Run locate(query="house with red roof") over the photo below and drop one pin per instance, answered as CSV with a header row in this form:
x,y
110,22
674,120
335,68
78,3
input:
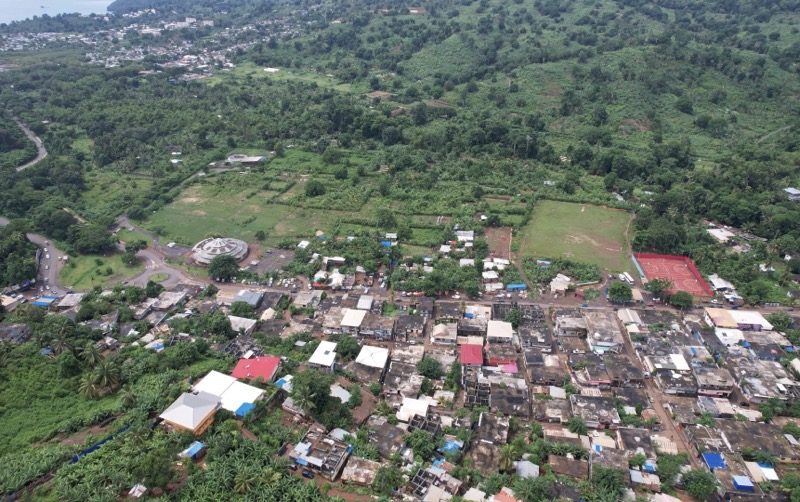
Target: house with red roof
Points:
x,y
472,355
265,367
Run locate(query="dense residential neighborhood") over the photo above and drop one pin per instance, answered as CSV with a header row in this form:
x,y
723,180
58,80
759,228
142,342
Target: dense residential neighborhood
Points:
x,y
373,379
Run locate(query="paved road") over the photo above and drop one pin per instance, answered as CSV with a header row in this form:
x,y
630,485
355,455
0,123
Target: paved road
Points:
x,y
48,267
41,151
154,263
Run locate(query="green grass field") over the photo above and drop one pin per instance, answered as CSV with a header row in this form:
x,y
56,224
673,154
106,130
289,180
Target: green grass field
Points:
x,y
212,209
126,235
580,232
84,272
251,70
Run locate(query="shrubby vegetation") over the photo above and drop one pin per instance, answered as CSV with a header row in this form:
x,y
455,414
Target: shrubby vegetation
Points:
x,y
16,255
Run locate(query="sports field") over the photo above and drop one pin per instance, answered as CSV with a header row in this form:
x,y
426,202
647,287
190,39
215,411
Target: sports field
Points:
x,y
579,232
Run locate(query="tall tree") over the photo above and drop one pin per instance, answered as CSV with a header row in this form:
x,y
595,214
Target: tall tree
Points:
x,y
223,268
681,300
619,292
700,484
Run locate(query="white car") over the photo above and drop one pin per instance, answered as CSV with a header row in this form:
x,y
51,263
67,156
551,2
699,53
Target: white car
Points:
x,y
47,267
45,250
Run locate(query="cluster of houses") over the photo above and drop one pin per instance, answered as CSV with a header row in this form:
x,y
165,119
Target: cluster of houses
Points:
x,y
630,375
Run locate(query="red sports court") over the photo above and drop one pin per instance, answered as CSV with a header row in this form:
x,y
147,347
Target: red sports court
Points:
x,y
680,270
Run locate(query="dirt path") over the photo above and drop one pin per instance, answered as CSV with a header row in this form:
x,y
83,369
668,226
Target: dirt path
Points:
x,y
41,151
764,137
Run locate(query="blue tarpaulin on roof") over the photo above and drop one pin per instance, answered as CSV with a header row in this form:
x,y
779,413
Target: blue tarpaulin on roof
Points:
x,y
46,351
194,449
649,467
517,287
714,460
387,244
789,349
743,483
281,382
244,409
469,315
746,344
451,446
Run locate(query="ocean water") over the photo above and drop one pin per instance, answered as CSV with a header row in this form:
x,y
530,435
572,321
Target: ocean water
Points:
x,y
17,10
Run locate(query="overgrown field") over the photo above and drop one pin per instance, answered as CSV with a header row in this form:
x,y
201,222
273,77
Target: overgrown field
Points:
x,y
88,271
579,232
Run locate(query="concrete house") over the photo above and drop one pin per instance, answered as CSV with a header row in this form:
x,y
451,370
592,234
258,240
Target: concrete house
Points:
x,y
321,453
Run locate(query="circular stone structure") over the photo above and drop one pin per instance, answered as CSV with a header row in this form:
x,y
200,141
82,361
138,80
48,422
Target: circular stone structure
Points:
x,y
208,249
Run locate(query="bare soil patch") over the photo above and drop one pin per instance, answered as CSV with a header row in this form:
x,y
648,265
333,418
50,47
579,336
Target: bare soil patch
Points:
x,y
81,437
437,103
636,124
380,95
499,240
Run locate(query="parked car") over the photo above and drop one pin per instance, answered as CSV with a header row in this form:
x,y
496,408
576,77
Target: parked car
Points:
x,y
293,467
308,474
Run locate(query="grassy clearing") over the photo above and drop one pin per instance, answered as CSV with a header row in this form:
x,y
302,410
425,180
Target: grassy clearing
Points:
x,y
84,145
215,209
107,186
159,277
580,232
409,250
126,235
88,271
251,70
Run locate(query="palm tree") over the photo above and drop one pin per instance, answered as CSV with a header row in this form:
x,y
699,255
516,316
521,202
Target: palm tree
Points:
x,y
303,398
270,476
90,354
765,457
60,343
244,481
106,374
508,454
383,409
127,399
88,386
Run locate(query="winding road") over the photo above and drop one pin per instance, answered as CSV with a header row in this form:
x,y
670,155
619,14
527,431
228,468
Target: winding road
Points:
x,y
41,151
154,259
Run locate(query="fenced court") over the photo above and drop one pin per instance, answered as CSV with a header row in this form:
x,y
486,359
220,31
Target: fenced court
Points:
x,y
680,270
